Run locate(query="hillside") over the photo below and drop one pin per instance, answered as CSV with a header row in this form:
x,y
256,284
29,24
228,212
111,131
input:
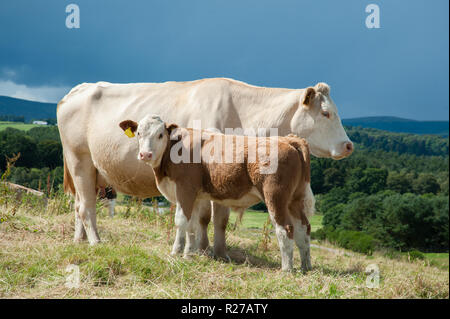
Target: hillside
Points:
x,y
29,109
396,124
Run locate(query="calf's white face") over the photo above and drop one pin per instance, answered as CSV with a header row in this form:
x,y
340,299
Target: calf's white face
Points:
x,y
318,121
152,137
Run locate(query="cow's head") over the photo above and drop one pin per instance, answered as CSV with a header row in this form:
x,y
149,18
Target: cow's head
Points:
x,y
153,135
317,120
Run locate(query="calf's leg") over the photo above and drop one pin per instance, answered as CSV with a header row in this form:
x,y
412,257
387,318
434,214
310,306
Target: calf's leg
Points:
x,y
188,223
285,242
302,240
180,237
196,229
220,217
203,210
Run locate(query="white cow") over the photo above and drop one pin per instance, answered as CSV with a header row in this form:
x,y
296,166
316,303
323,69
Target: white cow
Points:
x,y
97,154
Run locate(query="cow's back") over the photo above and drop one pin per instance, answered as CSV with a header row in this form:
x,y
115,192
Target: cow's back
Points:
x,y
89,117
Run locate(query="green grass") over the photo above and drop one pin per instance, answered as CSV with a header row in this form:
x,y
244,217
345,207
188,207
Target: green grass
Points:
x,y
133,261
440,260
253,219
17,125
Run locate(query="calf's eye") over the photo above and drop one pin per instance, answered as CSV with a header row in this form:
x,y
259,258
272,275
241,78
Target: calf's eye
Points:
x,y
160,135
326,114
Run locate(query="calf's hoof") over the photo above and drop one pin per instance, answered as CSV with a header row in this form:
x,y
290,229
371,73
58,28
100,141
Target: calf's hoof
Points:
x,y
94,242
221,254
288,269
188,256
224,258
176,251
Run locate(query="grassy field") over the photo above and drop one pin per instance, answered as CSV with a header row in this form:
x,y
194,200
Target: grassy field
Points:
x,y
133,261
17,125
255,220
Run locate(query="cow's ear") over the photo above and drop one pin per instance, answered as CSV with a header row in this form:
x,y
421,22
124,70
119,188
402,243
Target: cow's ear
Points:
x,y
171,127
308,96
129,126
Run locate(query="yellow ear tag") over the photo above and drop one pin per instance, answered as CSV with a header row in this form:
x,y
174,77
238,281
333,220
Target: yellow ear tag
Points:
x,y
129,133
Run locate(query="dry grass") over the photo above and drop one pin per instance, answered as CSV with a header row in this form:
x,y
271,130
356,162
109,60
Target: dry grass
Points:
x,y
133,261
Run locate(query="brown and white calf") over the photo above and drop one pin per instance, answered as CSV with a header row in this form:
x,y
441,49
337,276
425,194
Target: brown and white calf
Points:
x,y
238,183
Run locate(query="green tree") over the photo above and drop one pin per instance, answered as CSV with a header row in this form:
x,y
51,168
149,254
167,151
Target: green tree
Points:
x,y
426,183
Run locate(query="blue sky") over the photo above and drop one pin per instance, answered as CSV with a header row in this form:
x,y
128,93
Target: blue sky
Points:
x,y
400,69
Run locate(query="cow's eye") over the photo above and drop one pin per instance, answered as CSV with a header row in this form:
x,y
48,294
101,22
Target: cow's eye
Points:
x,y
160,136
326,114
139,134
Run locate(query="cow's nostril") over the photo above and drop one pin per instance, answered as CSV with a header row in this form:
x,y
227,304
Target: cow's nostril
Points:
x,y
349,146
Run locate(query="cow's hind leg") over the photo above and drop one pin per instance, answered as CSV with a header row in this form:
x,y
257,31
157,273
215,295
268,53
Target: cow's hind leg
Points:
x,y
80,233
84,177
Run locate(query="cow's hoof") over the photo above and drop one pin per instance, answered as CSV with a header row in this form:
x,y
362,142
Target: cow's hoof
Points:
x,y
306,268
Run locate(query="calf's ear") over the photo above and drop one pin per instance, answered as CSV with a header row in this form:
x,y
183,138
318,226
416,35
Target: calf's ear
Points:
x,y
171,127
308,97
129,127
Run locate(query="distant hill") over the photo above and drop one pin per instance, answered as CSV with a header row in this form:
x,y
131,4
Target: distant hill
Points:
x,y
29,109
396,124
38,110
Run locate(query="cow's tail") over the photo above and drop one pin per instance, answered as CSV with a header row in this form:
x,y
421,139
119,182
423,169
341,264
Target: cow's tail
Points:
x,y
302,147
68,181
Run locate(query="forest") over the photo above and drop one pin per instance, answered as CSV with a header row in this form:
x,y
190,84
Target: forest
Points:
x,y
392,192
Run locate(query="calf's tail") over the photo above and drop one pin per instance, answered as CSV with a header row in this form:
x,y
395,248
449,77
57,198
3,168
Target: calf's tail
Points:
x,y
303,148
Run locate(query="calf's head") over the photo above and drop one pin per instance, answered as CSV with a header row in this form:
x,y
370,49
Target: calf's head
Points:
x,y
318,121
152,134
